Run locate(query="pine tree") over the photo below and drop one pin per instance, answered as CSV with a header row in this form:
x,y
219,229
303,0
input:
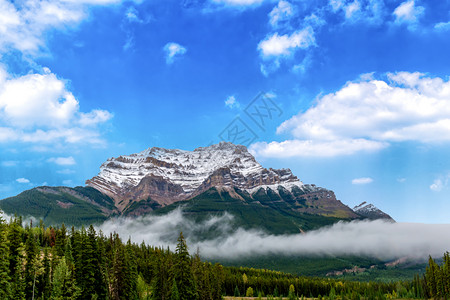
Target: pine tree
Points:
x,y
16,258
174,294
46,286
236,292
130,275
182,271
5,287
63,284
31,251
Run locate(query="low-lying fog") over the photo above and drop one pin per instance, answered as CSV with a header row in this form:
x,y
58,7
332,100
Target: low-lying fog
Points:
x,y
378,239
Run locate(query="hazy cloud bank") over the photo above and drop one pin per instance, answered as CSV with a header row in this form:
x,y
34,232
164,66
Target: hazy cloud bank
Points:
x,y
370,238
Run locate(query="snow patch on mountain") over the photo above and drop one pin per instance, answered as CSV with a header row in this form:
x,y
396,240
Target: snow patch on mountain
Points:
x,y
190,169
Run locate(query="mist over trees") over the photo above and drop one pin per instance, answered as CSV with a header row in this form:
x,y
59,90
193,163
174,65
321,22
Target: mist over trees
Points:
x,y
39,262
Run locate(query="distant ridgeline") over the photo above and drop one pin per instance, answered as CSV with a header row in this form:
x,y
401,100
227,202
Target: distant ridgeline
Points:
x,y
55,263
207,181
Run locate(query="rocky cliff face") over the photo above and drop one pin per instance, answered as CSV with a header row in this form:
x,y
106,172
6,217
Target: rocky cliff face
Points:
x,y
370,211
167,176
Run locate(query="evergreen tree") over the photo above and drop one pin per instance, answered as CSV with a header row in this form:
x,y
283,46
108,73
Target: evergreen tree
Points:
x,y
174,294
129,274
31,251
46,285
63,284
182,271
236,292
5,287
16,259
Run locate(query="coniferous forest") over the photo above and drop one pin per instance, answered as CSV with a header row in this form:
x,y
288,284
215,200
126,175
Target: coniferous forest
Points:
x,y
38,262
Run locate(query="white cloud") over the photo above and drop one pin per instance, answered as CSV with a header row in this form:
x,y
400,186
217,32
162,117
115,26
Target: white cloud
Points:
x,y
308,148
231,102
366,11
132,15
65,171
281,13
368,114
408,13
437,185
362,180
238,2
276,47
97,116
286,45
36,99
442,26
38,108
62,161
22,180
440,183
23,24
378,238
173,50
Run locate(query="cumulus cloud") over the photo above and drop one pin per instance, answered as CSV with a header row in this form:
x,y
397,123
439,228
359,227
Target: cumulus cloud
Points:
x,y
173,51
408,13
39,108
62,161
286,45
378,239
22,180
362,180
368,114
275,47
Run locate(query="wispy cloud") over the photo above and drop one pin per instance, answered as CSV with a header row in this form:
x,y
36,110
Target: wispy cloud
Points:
x,y
23,24
442,26
281,13
173,51
408,13
362,180
63,161
22,180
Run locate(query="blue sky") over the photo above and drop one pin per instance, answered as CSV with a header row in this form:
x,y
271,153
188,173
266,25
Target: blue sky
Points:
x,y
358,91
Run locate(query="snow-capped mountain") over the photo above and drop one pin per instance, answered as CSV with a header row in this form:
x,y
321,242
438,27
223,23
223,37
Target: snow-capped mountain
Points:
x,y
170,175
370,211
206,181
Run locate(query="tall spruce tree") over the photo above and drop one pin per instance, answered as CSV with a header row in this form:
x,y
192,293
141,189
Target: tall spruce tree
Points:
x,y
182,271
5,287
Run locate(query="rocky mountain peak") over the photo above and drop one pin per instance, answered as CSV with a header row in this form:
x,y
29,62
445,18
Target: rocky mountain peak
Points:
x,y
370,211
170,175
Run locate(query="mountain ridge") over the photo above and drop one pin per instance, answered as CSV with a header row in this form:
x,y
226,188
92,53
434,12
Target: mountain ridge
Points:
x,y
157,180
